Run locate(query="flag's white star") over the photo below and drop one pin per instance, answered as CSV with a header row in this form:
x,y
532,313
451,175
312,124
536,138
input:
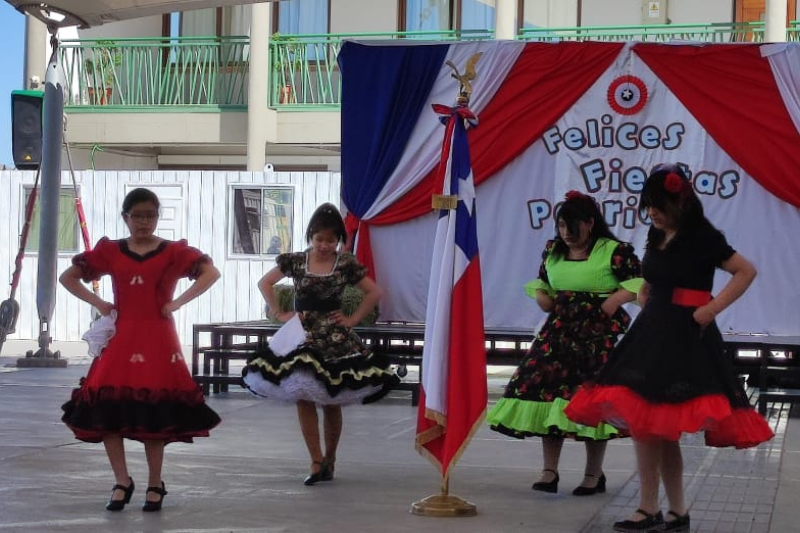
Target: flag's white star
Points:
x,y
627,95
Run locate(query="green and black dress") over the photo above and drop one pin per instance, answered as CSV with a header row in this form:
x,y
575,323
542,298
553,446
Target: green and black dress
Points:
x,y
573,343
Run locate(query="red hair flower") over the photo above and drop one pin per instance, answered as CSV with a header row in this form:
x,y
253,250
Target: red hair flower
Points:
x,y
573,195
673,183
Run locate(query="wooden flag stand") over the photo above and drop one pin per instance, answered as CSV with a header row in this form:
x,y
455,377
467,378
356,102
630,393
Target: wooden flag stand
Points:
x,y
444,504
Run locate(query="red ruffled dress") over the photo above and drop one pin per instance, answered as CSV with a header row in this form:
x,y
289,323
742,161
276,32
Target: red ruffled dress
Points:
x,y
668,376
140,387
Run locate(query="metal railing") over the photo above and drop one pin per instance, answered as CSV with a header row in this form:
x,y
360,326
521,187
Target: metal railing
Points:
x,y
156,72
723,32
211,73
304,71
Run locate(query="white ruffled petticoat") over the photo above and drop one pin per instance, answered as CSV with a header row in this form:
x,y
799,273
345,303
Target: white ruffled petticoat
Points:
x,y
301,384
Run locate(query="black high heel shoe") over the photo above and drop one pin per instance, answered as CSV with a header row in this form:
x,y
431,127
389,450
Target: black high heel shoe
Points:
x,y
680,524
547,486
599,487
316,477
327,470
149,506
651,522
118,505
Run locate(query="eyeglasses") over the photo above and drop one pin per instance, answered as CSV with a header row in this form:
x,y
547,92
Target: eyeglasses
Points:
x,y
142,217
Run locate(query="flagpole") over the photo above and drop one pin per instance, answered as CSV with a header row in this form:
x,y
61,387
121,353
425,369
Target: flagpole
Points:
x,y
433,433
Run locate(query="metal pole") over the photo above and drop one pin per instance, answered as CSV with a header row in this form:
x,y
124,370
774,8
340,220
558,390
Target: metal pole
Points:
x,y
52,138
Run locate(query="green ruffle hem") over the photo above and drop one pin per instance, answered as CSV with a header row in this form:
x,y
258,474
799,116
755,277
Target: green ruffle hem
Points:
x,y
524,418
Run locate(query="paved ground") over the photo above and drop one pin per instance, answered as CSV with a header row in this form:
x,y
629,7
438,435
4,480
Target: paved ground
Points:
x,y
247,476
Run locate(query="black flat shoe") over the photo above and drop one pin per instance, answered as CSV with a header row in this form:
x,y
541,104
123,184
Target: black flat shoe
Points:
x,y
651,522
316,477
149,506
547,486
681,523
599,487
118,505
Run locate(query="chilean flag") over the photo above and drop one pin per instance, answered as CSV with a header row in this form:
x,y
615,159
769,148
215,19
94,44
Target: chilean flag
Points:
x,y
453,392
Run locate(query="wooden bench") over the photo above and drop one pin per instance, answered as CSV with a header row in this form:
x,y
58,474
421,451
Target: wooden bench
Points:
x,y
400,343
778,376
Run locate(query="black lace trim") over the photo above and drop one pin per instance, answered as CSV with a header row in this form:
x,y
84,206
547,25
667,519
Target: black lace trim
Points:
x,y
123,246
339,371
141,414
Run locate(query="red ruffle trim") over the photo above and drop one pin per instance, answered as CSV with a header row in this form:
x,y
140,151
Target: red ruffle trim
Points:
x,y
623,408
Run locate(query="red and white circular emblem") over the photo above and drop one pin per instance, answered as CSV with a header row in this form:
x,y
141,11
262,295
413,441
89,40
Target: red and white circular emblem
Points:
x,y
627,95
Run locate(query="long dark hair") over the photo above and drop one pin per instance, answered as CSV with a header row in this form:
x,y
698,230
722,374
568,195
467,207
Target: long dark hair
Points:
x,y
577,208
139,196
326,217
669,190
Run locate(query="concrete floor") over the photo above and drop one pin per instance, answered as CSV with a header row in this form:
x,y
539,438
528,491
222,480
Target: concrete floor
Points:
x,y
248,475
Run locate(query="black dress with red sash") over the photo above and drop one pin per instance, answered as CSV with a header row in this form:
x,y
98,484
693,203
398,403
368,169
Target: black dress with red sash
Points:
x,y
669,376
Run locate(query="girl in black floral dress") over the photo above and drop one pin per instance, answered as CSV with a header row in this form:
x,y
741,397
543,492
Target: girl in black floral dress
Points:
x,y
585,276
670,375
316,358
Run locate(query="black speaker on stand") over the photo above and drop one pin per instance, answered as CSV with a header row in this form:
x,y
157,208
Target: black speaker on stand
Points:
x,y
26,129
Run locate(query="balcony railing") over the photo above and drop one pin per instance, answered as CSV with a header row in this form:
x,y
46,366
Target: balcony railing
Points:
x,y
210,73
724,32
156,73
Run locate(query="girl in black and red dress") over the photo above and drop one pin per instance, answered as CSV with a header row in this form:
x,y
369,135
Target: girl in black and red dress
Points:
x,y
139,387
669,374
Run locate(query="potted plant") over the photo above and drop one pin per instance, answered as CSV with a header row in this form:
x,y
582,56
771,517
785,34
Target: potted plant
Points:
x,y
286,61
101,71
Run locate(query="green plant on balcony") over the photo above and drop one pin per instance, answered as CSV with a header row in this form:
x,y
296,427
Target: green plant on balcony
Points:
x,y
287,60
101,71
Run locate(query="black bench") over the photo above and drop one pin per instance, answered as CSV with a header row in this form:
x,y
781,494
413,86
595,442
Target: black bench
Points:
x,y
400,343
776,378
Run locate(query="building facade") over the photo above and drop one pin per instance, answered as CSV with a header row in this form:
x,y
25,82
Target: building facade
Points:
x,y
238,87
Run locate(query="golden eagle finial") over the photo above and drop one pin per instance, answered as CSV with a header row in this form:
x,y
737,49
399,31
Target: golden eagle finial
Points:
x,y
465,87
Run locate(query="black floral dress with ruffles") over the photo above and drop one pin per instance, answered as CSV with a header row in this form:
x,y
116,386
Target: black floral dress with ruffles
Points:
x,y
571,346
330,364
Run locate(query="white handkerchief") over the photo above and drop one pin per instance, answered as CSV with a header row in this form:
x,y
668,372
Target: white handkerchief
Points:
x,y
288,337
100,332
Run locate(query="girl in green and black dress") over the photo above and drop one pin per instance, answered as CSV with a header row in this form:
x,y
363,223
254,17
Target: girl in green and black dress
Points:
x,y
585,276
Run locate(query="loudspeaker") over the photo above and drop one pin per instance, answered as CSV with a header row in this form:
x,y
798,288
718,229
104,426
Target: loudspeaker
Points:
x,y
26,129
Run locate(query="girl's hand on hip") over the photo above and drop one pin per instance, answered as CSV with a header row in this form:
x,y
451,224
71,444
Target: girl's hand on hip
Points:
x,y
104,308
704,315
169,308
340,319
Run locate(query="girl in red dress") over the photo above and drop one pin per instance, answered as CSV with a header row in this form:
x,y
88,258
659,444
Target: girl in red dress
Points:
x,y
139,387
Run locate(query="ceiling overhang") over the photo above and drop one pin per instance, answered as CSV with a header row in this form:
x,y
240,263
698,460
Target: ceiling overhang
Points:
x,y
88,13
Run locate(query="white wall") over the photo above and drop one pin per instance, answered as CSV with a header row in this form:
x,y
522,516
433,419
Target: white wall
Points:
x,y
629,12
141,27
550,13
692,11
611,12
358,16
205,214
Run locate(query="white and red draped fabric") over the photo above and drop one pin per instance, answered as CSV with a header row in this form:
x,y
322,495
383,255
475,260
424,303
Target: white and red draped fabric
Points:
x,y
453,391
589,116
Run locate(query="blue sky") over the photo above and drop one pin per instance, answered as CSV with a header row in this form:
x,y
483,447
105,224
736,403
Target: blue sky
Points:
x,y
12,44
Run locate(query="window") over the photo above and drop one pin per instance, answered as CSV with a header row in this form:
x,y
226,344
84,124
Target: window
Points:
x,y
445,15
67,222
262,222
302,17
